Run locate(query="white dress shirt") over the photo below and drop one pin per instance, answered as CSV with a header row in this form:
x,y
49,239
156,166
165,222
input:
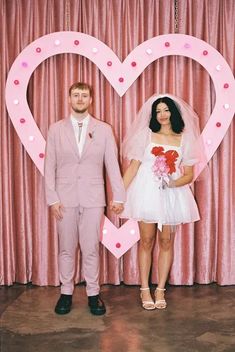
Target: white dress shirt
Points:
x,y
84,122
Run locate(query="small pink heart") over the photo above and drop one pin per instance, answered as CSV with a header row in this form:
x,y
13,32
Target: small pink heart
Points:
x,y
119,241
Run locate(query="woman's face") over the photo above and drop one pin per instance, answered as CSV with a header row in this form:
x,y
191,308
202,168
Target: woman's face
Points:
x,y
163,114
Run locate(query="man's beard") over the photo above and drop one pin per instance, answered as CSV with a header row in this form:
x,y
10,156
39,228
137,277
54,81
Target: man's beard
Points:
x,y
79,111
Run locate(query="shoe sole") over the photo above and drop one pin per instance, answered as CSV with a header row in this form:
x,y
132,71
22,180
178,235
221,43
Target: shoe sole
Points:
x,y
62,313
97,313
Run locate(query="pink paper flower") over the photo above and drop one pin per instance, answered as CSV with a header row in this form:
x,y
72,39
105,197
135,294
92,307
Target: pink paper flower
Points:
x,y
160,168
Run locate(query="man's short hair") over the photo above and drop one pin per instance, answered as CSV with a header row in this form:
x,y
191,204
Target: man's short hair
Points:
x,y
82,86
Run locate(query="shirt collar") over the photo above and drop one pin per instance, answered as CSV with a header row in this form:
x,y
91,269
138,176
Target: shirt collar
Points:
x,y
85,121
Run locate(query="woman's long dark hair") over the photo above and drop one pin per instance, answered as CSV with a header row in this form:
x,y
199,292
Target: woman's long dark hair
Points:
x,y
177,123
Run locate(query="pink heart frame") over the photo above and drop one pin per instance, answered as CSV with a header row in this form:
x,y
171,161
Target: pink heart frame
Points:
x,y
121,76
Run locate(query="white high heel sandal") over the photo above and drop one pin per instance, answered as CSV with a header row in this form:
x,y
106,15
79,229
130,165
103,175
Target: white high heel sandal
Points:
x,y
160,303
148,305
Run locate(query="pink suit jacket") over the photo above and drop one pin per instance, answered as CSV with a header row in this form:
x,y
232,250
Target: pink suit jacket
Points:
x,y
74,179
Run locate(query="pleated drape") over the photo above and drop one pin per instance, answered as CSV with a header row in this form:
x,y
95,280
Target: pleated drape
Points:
x,y
205,251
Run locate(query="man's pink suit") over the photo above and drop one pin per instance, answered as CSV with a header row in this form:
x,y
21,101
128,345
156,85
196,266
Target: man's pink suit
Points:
x,y
78,183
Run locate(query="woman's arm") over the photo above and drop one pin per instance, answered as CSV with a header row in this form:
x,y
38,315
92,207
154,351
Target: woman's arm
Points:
x,y
186,178
130,172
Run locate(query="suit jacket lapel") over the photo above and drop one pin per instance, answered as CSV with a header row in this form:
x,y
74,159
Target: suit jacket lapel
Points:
x,y
89,135
69,132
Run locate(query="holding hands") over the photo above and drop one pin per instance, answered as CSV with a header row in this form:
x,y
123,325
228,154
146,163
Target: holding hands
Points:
x,y
116,207
57,209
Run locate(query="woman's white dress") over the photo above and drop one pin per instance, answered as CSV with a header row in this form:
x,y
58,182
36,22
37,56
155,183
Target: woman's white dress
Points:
x,y
149,202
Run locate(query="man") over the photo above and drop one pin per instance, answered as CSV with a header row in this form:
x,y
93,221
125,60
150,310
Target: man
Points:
x,y
78,148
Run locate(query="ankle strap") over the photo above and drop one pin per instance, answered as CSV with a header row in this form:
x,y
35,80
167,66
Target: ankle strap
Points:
x,y
160,289
144,288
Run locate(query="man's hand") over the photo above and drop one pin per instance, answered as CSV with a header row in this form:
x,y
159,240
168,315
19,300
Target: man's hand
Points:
x,y
57,210
117,208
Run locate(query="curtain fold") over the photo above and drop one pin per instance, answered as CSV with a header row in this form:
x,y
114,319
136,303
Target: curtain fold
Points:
x,y
204,251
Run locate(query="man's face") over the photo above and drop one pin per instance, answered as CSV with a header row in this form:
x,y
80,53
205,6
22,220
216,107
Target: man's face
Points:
x,y
80,100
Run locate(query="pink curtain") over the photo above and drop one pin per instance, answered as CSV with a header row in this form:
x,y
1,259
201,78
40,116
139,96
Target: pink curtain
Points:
x,y
205,251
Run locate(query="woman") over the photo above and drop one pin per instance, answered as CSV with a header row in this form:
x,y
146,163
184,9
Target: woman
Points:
x,y
162,148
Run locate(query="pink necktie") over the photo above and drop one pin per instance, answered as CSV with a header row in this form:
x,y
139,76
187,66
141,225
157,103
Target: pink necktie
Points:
x,y
79,131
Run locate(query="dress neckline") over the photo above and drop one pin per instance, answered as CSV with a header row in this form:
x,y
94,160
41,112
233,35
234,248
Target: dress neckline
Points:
x,y
168,145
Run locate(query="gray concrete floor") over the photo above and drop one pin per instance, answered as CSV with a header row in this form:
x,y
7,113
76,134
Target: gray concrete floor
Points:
x,y
200,318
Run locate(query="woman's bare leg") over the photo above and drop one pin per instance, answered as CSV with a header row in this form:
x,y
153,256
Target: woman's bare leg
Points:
x,y
146,243
165,258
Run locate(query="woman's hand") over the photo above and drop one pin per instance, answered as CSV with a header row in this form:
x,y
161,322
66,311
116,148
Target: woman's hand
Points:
x,y
116,207
185,179
171,183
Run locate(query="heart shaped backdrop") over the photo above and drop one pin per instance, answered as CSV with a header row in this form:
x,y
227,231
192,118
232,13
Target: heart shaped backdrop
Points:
x,y
121,76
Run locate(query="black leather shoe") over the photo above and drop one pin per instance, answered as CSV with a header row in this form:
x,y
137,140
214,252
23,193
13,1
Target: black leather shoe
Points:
x,y
63,306
96,305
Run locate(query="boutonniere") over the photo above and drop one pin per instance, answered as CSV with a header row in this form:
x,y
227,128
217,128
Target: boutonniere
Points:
x,y
91,135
